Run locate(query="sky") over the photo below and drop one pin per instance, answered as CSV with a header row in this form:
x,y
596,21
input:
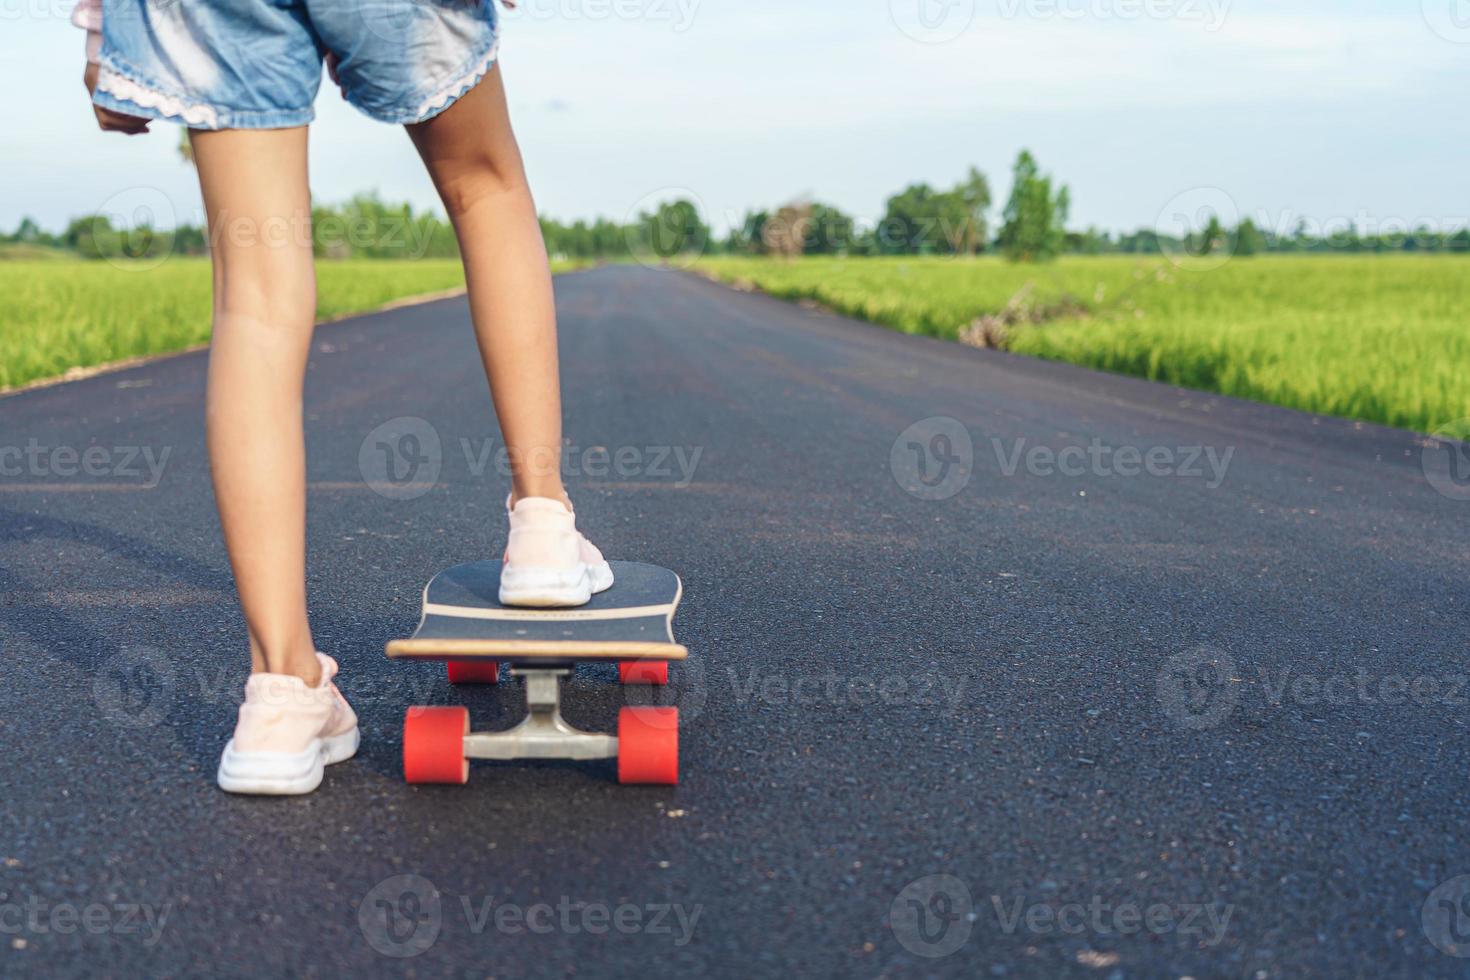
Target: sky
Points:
x,y
1331,111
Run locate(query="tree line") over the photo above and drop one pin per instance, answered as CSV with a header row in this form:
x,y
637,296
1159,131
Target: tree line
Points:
x,y
363,227
918,220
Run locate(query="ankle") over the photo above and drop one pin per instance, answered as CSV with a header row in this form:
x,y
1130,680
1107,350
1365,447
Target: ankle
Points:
x,y
293,659
554,492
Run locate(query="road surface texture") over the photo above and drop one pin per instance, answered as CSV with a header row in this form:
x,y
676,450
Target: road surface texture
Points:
x,y
1186,699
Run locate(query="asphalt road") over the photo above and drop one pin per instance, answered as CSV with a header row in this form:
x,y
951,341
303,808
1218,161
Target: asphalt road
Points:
x,y
1186,700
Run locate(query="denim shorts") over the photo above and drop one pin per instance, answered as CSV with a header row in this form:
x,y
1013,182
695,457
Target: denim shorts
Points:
x,y
257,64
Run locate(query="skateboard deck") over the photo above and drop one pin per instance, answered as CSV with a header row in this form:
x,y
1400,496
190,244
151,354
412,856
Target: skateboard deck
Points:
x,y
462,619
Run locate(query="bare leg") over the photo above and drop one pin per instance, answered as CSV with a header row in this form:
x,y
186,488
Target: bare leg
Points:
x,y
255,193
474,162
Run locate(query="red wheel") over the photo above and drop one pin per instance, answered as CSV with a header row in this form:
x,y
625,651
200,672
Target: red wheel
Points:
x,y
648,745
474,671
433,745
643,671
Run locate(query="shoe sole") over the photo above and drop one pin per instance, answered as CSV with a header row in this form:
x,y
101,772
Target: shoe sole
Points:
x,y
284,773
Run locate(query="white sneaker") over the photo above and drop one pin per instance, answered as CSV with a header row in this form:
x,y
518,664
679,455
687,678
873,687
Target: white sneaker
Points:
x,y
287,734
548,563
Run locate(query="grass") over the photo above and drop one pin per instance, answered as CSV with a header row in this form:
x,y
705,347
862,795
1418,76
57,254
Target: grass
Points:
x,y
24,252
59,313
1380,338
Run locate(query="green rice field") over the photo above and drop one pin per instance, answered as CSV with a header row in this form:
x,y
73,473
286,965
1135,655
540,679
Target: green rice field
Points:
x,y
1385,338
64,313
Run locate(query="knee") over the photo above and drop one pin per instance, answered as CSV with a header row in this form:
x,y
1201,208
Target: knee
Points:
x,y
264,307
481,180
266,284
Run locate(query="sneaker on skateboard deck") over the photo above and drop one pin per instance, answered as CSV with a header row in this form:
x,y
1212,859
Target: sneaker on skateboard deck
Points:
x,y
464,624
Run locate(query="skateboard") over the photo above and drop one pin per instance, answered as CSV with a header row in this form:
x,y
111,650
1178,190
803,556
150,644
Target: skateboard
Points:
x,y
464,624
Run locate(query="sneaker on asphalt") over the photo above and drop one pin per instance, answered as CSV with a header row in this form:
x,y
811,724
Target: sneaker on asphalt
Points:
x,y
287,734
548,563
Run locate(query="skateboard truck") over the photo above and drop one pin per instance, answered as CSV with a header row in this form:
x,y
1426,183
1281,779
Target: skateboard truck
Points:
x,y
543,733
438,743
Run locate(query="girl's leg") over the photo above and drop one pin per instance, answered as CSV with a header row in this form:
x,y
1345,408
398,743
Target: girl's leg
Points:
x,y
474,162
259,208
